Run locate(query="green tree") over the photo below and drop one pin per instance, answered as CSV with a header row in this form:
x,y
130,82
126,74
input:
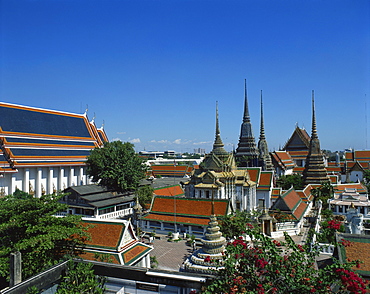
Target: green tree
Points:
x,y
234,225
366,180
30,227
145,194
80,278
286,182
323,193
116,166
268,266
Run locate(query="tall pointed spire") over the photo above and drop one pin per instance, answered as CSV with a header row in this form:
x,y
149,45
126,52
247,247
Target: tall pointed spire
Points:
x,y
264,155
262,129
314,171
246,153
314,130
218,145
246,117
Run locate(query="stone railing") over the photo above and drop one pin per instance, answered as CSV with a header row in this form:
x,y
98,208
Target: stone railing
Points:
x,y
326,248
116,214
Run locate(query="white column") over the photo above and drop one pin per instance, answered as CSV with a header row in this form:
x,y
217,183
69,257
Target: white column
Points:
x,y
71,176
147,257
38,183
12,184
26,180
81,180
50,181
61,179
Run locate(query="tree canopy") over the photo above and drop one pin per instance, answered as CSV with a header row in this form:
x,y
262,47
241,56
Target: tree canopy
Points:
x,y
323,193
116,166
30,226
286,182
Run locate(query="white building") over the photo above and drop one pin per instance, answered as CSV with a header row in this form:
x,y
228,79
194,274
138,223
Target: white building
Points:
x,y
44,151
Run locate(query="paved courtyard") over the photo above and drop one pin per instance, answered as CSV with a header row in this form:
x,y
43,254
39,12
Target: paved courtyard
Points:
x,y
170,255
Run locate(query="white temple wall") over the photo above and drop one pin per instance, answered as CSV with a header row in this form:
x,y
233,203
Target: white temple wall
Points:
x,y
43,180
356,176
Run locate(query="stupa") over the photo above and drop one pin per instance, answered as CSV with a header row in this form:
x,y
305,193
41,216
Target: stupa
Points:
x,y
209,258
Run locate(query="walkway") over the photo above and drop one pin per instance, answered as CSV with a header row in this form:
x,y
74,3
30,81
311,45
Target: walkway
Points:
x,y
170,255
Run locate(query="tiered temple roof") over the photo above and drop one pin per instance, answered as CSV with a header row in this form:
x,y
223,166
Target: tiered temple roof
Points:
x,y
32,136
190,211
114,241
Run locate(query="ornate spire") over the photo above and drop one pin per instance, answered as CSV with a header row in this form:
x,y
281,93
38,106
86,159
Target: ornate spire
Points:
x,y
262,130
314,130
246,117
314,171
218,145
264,155
246,153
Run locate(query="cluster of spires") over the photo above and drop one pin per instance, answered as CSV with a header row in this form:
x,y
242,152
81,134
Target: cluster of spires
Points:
x,y
249,155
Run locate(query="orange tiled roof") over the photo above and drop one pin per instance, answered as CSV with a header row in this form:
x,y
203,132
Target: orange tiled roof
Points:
x,y
358,250
299,211
283,159
133,253
189,206
298,169
171,170
301,154
291,200
90,255
254,173
349,156
358,186
265,181
363,155
200,221
275,193
335,169
169,191
104,234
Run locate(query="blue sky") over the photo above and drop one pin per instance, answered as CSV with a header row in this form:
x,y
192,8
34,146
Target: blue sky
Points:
x,y
153,70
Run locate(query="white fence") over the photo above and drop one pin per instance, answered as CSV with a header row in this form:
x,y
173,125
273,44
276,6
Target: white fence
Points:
x,y
116,214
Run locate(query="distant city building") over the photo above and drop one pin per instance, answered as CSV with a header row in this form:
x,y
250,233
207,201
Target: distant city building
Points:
x,y
155,154
200,151
44,151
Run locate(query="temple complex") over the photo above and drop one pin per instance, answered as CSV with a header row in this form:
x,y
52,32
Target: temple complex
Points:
x,y
219,177
314,171
247,152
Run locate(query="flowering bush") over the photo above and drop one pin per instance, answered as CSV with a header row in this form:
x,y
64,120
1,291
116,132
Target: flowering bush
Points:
x,y
266,266
328,229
